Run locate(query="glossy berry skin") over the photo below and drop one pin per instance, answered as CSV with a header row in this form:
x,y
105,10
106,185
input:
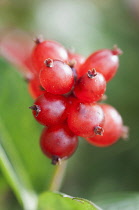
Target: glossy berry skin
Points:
x,y
76,59
113,128
84,119
58,142
104,61
50,109
47,49
90,87
56,77
34,87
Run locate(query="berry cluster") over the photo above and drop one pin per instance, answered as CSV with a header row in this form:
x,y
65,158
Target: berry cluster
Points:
x,y
67,88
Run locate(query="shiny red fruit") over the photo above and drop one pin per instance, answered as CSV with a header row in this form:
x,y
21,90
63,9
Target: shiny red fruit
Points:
x,y
50,109
113,128
90,87
47,49
56,77
104,61
34,87
58,142
86,119
76,60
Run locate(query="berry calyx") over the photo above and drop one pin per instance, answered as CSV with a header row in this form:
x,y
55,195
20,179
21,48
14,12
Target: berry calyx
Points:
x,y
116,50
38,39
50,109
91,73
36,109
58,142
49,62
55,160
98,130
56,77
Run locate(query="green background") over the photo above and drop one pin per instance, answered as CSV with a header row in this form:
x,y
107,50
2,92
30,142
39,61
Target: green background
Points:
x,y
87,26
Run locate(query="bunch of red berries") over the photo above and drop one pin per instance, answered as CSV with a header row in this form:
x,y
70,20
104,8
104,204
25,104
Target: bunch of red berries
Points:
x,y
68,87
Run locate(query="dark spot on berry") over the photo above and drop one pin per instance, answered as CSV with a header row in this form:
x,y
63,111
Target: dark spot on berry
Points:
x,y
55,160
98,130
49,62
72,63
38,39
91,73
35,108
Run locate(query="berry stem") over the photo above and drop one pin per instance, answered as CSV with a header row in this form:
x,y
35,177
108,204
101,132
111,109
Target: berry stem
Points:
x,y
58,176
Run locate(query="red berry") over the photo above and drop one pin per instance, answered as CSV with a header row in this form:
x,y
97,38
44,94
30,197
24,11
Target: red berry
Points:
x,y
90,87
58,142
50,109
71,100
104,61
113,128
35,88
56,77
47,49
85,119
75,59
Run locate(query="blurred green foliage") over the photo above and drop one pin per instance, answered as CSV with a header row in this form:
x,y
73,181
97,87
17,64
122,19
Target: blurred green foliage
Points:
x,y
87,26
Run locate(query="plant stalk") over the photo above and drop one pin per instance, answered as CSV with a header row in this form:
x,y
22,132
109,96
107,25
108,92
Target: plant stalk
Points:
x,y
58,176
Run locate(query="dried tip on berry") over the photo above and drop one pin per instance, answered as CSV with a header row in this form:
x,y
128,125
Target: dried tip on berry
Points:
x,y
49,62
55,160
35,108
116,50
72,63
38,39
125,132
91,73
99,130
104,98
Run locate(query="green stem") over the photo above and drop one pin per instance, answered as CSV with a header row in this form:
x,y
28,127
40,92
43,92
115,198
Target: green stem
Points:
x,y
57,178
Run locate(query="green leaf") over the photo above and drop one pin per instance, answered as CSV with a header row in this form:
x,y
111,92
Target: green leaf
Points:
x,y
119,201
55,201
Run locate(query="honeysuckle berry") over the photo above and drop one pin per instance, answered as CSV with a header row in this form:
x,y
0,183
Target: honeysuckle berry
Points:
x,y
58,142
75,59
47,49
84,119
113,128
66,88
105,61
56,77
50,109
34,87
90,87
